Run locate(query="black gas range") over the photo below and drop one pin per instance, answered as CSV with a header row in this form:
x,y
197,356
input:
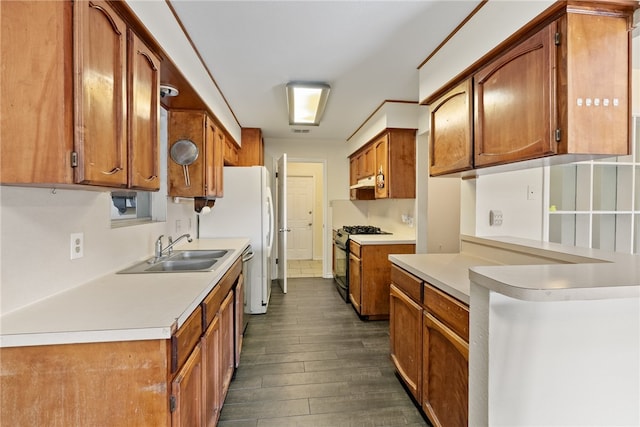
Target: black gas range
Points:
x,y
341,254
342,234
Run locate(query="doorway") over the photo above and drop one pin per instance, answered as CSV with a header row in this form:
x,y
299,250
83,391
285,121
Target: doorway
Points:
x,y
305,218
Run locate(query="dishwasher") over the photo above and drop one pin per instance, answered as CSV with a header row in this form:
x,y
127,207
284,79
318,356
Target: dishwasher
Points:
x,y
247,256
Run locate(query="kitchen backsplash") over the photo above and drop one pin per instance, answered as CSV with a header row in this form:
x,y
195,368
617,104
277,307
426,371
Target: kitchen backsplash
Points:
x,y
388,214
36,225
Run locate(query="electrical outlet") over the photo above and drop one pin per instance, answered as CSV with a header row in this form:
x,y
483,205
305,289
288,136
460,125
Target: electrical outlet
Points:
x,y
495,218
77,245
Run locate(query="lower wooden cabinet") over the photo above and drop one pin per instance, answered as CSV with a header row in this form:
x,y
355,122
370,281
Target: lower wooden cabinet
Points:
x,y
369,279
405,331
174,382
227,348
186,392
445,374
429,332
212,385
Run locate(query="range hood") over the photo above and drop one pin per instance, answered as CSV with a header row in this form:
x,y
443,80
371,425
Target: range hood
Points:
x,y
368,182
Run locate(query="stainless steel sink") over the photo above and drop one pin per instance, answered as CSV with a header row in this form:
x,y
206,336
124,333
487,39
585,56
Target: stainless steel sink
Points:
x,y
200,254
182,265
181,262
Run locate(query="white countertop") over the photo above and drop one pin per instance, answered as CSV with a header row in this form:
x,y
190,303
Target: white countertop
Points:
x,y
447,272
585,274
382,239
118,307
592,274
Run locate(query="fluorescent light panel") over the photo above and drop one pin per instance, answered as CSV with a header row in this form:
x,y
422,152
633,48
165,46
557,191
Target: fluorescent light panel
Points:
x,y
306,102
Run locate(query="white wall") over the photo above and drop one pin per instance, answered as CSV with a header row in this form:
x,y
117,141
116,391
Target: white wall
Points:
x,y
507,192
35,251
387,214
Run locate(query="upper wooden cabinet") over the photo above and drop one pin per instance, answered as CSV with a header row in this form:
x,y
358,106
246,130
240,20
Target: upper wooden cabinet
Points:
x,y
251,152
451,134
143,116
36,117
230,151
513,102
390,159
559,86
365,162
395,164
100,38
80,109
203,177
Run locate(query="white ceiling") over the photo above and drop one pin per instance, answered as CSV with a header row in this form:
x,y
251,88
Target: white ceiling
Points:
x,y
368,51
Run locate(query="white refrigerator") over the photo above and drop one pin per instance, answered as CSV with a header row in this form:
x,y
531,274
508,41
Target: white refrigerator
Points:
x,y
246,210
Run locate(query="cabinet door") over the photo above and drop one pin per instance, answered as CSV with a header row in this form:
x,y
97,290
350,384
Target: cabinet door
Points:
x,y
445,369
191,125
405,330
515,97
230,153
36,112
369,162
451,131
211,373
353,177
355,283
214,152
381,155
252,148
227,349
239,318
186,392
143,116
100,73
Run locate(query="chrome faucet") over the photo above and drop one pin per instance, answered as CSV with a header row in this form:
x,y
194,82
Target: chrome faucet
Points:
x,y
160,251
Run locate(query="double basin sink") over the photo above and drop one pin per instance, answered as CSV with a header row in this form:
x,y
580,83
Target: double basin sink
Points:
x,y
181,262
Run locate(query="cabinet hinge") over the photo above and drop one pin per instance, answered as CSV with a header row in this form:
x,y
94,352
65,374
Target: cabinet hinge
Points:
x,y
557,39
558,135
172,403
74,159
276,174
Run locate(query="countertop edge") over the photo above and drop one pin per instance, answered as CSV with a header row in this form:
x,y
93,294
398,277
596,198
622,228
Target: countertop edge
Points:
x,y
585,274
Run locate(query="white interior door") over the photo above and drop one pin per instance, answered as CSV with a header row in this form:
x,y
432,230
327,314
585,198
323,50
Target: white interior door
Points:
x,y
283,228
300,198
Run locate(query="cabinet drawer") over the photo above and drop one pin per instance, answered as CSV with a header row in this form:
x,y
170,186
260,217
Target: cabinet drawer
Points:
x,y
185,339
408,283
211,303
448,310
354,248
210,306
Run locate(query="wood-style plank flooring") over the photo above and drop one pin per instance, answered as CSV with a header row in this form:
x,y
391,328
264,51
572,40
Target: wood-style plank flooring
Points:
x,y
310,361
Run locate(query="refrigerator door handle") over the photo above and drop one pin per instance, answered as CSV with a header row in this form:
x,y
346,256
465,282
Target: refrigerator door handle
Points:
x,y
271,221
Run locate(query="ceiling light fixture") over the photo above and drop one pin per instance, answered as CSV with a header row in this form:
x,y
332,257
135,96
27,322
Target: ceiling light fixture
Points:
x,y
306,102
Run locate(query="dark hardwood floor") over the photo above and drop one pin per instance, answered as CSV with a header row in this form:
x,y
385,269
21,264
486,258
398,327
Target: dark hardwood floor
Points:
x,y
310,361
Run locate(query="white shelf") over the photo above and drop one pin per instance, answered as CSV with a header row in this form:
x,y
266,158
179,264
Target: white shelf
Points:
x,y
595,203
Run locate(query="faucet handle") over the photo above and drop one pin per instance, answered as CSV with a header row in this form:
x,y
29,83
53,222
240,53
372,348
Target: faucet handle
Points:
x,y
170,245
158,249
